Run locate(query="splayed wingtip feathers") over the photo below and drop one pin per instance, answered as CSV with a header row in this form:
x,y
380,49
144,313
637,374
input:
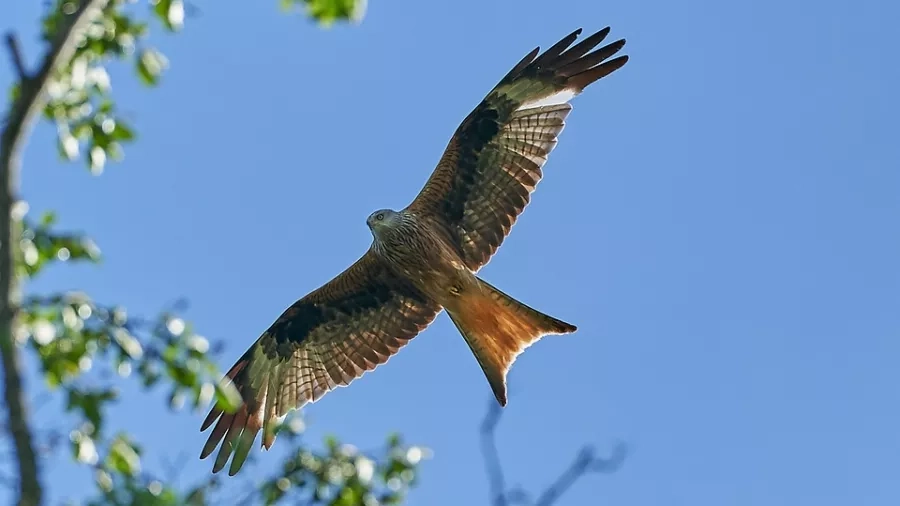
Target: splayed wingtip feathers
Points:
x,y
268,440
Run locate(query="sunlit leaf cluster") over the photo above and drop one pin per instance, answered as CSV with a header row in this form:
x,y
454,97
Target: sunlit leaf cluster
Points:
x,y
80,102
41,245
120,482
83,346
344,476
85,351
70,333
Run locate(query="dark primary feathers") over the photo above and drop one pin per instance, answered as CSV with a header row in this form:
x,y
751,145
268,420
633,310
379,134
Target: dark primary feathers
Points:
x,y
350,325
359,319
493,162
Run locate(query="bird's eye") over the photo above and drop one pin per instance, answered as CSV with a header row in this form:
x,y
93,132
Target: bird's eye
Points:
x,y
379,216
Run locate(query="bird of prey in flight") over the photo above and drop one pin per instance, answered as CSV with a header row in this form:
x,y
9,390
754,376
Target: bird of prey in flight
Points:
x,y
424,259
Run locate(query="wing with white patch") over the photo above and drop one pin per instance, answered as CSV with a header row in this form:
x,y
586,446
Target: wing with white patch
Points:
x,y
494,160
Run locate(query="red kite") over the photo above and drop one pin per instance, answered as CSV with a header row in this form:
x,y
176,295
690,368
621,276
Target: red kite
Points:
x,y
424,259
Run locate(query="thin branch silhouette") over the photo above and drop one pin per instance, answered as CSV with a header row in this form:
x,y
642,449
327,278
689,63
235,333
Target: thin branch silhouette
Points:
x,y
585,462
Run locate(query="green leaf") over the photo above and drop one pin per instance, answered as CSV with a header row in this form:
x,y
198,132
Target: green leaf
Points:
x,y
97,159
227,397
150,65
170,13
332,444
90,403
123,457
122,132
329,11
48,218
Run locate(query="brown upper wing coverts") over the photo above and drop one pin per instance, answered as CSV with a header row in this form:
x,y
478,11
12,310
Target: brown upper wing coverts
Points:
x,y
359,319
494,161
334,335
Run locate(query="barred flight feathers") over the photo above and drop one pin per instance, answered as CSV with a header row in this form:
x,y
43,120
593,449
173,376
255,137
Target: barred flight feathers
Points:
x,y
494,161
325,340
362,317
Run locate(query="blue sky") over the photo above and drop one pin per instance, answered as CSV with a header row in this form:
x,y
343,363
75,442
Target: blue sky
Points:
x,y
719,219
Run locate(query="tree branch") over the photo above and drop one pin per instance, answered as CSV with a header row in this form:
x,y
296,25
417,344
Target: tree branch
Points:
x,y
12,42
496,481
585,462
16,130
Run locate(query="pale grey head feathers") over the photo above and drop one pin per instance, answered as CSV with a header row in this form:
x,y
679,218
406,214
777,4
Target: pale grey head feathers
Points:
x,y
382,220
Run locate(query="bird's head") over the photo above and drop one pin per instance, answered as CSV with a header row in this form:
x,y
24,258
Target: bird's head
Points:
x,y
382,220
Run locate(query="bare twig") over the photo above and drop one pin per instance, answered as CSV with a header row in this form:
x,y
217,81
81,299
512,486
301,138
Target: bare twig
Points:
x,y
16,130
496,481
175,467
585,462
15,51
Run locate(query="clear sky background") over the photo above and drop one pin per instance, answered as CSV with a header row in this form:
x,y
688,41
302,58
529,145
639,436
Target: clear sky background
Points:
x,y
720,219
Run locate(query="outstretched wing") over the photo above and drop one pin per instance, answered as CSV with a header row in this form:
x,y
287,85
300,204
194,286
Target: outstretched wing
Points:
x,y
347,327
493,162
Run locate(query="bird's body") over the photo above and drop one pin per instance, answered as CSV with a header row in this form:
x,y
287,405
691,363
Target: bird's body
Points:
x,y
424,259
420,250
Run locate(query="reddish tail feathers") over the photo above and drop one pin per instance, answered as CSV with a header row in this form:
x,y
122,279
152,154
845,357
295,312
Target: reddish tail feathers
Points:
x,y
498,328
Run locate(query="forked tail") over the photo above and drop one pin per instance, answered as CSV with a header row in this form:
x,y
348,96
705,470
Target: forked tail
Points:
x,y
498,328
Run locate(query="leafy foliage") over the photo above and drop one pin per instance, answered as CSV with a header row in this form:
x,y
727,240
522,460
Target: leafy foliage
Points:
x,y
327,12
80,96
343,476
80,101
39,246
86,349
